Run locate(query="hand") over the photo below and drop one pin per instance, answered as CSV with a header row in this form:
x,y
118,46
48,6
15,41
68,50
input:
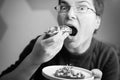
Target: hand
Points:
x,y
46,48
97,74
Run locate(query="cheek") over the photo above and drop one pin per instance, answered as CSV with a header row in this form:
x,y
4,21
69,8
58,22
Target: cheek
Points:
x,y
91,22
92,25
87,25
61,19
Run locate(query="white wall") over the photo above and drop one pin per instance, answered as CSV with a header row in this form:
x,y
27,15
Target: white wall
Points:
x,y
110,28
23,20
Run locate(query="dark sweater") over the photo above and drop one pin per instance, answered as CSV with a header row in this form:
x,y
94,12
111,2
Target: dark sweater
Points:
x,y
99,55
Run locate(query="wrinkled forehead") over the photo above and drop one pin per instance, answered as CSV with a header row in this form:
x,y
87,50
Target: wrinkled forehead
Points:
x,y
74,2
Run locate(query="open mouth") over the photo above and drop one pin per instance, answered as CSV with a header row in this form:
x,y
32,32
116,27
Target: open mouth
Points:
x,y
74,31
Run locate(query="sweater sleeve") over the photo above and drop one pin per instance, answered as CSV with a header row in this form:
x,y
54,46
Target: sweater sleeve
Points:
x,y
22,56
111,67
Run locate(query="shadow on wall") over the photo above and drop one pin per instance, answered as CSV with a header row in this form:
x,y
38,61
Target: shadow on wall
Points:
x,y
3,26
43,5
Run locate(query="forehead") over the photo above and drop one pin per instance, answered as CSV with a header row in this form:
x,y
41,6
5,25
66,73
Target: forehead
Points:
x,y
73,2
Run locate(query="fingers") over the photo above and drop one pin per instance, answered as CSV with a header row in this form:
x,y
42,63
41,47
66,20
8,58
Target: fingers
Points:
x,y
97,74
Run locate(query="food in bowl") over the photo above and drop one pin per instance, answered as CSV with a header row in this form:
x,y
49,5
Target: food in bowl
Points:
x,y
69,73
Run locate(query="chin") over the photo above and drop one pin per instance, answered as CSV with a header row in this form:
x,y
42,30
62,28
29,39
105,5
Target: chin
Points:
x,y
71,38
71,41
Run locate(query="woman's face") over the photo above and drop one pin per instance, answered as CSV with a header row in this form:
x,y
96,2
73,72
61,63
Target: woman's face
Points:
x,y
81,17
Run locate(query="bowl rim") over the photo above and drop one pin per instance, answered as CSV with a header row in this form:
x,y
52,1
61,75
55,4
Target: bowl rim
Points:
x,y
60,66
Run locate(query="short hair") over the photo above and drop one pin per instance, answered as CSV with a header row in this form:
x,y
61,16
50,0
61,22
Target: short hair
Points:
x,y
99,6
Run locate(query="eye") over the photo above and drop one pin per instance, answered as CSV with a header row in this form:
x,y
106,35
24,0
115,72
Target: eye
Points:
x,y
82,8
63,8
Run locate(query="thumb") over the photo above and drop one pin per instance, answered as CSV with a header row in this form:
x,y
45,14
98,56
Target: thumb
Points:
x,y
97,74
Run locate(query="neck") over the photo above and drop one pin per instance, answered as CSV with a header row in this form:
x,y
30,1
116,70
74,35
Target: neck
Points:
x,y
83,47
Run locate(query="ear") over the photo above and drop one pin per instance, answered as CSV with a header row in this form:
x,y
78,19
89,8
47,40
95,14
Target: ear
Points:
x,y
98,22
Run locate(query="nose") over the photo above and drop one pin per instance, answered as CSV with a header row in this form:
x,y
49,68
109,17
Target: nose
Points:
x,y
71,14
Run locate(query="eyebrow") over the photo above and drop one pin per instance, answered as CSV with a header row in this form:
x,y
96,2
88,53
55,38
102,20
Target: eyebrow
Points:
x,y
83,2
78,2
63,2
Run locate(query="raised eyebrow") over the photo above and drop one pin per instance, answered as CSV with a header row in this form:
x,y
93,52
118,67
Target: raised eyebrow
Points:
x,y
79,2
63,2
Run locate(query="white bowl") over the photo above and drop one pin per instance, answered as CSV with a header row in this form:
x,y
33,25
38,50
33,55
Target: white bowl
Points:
x,y
49,72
